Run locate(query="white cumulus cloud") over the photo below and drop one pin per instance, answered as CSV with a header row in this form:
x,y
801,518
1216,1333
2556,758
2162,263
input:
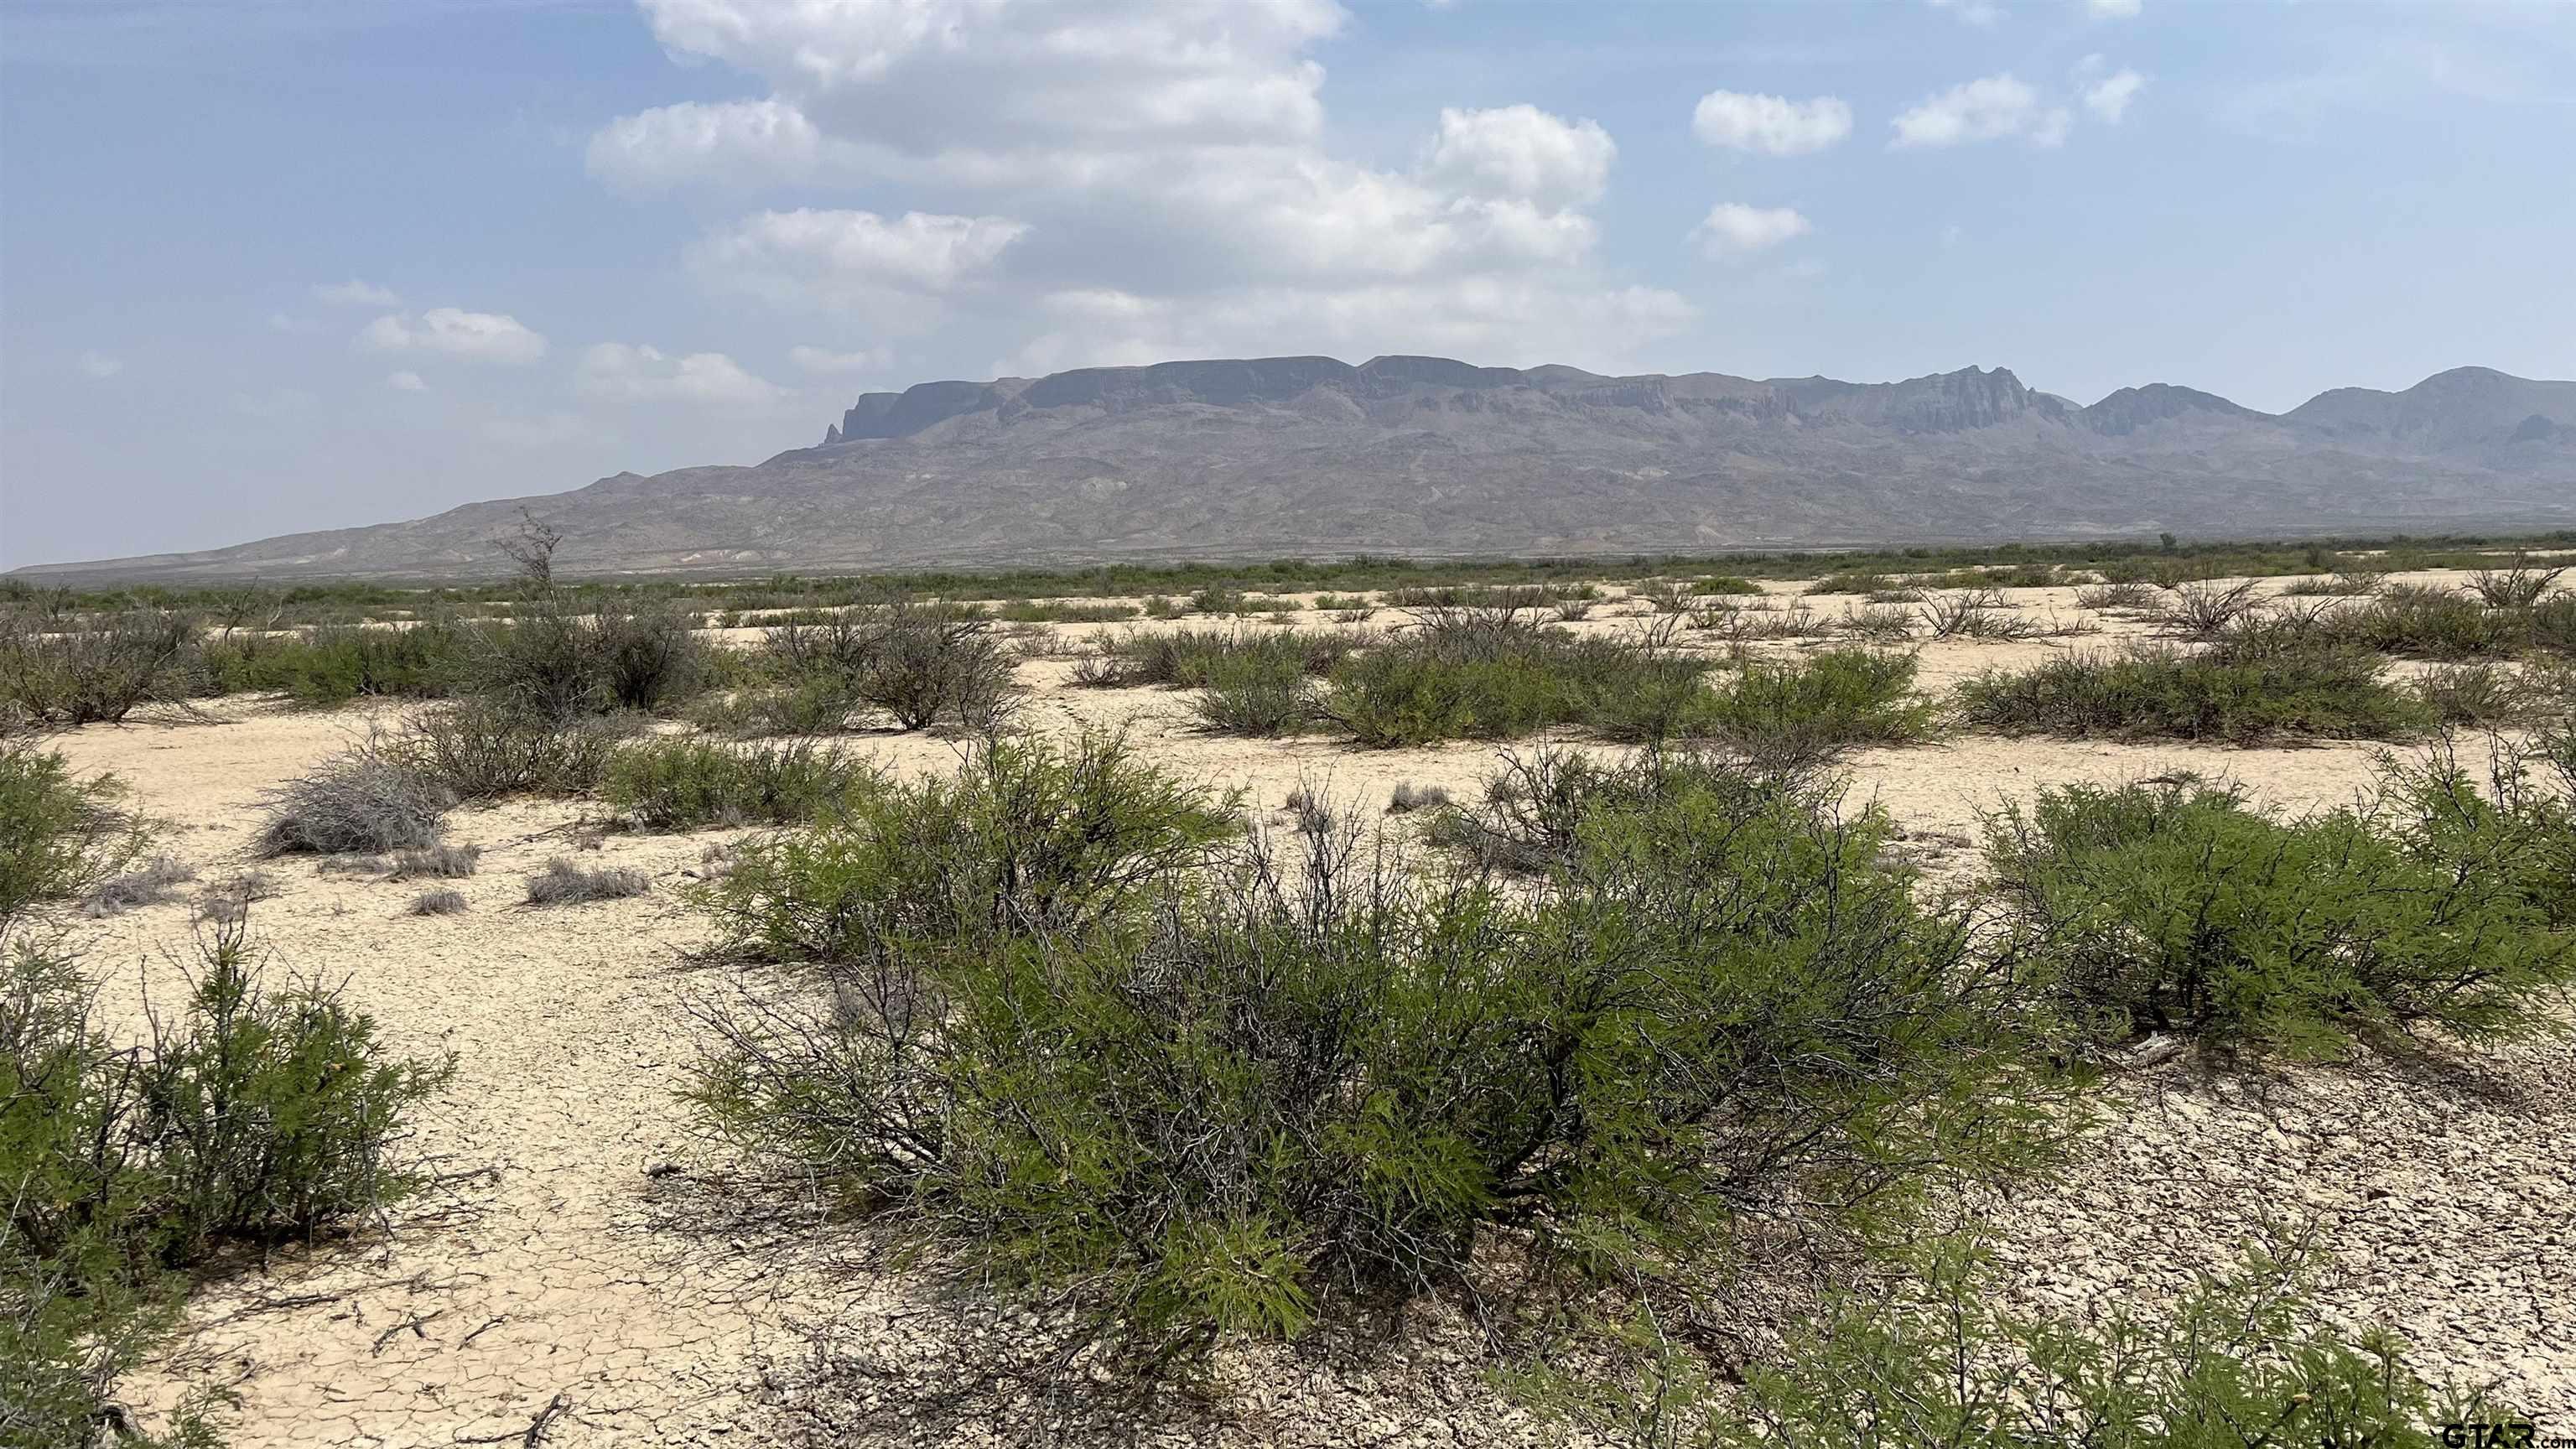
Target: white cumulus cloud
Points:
x,y
354,293
1773,125
1731,229
1169,151
2110,96
630,373
453,332
1974,12
825,361
406,382
1987,109
2111,9
1523,152
854,258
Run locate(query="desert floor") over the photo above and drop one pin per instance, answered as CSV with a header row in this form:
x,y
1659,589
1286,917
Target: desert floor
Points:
x,y
586,1260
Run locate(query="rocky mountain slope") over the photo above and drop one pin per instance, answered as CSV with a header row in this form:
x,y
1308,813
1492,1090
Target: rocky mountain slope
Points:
x,y
1427,456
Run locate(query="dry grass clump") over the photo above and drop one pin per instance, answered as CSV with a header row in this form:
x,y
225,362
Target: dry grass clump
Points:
x,y
443,862
370,799
1409,797
564,883
148,884
443,902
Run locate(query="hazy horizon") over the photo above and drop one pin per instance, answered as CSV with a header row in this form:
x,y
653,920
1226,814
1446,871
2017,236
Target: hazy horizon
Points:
x,y
274,266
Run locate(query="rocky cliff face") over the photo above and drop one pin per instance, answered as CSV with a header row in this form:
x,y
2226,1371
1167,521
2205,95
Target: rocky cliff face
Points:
x,y
1431,456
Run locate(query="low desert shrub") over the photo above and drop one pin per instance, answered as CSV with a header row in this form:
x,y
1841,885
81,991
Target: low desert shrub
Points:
x,y
2518,585
482,749
563,883
1489,675
1238,1099
2204,608
1408,797
2133,597
927,667
1792,714
2148,693
1725,584
2428,623
250,1115
686,784
445,902
335,663
2475,694
369,799
438,862
2176,908
1027,835
60,835
1259,693
147,884
1935,1355
1185,658
74,671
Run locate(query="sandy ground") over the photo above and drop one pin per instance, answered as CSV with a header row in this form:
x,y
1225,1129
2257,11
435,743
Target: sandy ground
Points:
x,y
582,1253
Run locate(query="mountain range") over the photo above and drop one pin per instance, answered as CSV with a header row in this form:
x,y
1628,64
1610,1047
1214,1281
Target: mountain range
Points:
x,y
1429,457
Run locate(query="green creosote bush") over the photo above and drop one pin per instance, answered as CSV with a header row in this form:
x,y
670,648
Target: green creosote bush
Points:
x,y
685,784
2156,692
334,663
252,1116
2475,694
1491,674
1026,835
2177,908
1800,712
1934,1356
1263,694
60,834
1227,1099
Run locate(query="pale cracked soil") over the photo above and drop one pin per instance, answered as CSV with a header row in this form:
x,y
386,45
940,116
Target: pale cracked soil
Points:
x,y
585,1261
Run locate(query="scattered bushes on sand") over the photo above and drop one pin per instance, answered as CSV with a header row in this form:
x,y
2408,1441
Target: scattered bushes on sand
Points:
x,y
1408,797
60,835
922,664
250,1116
1228,1099
2322,693
1187,658
1491,674
689,784
2133,597
1725,584
2410,619
369,799
2177,908
1258,693
563,883
334,663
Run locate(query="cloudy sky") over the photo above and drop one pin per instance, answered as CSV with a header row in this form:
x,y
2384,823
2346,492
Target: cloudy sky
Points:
x,y
272,265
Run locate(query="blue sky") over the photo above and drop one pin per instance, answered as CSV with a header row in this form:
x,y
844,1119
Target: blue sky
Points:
x,y
273,265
